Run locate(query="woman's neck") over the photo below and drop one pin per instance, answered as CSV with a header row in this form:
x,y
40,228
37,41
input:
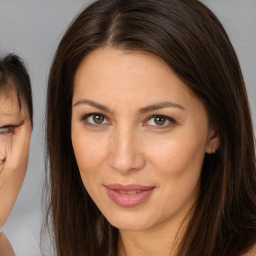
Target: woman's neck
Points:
x,y
161,240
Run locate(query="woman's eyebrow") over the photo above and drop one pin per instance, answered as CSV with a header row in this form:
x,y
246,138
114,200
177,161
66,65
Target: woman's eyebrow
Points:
x,y
166,104
92,104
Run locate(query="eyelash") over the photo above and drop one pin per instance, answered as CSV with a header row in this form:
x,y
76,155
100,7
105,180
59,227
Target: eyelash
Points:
x,y
86,117
170,121
167,119
5,130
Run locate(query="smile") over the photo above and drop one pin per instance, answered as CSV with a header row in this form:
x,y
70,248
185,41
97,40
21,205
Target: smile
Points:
x,y
129,192
129,195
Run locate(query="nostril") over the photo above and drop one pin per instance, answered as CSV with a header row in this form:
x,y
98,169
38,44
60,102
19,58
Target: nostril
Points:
x,y
128,162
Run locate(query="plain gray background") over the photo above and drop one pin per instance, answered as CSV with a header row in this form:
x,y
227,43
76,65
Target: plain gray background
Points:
x,y
32,29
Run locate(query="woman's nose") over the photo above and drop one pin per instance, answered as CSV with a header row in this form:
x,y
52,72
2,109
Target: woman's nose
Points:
x,y
126,152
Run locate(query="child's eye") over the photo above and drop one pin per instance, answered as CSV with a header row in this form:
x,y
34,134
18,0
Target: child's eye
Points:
x,y
160,121
95,119
7,129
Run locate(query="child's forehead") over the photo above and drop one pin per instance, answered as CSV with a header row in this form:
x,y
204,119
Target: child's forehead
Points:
x,y
13,104
9,102
8,86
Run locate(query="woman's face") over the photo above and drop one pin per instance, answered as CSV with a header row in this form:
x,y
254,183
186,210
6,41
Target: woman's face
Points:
x,y
139,137
15,131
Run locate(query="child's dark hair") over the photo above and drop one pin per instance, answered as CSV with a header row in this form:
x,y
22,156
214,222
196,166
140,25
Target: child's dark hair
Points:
x,y
14,75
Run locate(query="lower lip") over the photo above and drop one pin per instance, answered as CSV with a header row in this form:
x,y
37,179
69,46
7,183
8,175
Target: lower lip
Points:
x,y
126,200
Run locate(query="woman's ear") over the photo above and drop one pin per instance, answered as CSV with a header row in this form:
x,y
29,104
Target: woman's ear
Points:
x,y
213,141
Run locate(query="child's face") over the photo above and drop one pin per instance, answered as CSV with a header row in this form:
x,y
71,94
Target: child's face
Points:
x,y
15,132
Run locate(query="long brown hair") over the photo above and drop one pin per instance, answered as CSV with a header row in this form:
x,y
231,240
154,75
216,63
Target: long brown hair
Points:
x,y
191,40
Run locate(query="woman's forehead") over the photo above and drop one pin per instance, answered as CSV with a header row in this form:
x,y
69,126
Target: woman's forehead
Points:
x,y
116,75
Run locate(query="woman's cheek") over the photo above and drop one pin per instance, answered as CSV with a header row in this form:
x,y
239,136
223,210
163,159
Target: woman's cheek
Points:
x,y
175,155
89,153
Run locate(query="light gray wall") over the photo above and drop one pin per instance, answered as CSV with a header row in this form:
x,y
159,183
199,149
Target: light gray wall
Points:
x,y
239,20
32,29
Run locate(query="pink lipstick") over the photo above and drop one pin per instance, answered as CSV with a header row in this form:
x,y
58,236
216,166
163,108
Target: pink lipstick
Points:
x,y
128,195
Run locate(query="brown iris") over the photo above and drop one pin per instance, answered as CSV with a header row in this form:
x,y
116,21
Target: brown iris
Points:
x,y
97,119
159,120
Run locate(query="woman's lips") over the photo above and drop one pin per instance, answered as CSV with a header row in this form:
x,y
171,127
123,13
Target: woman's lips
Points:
x,y
128,195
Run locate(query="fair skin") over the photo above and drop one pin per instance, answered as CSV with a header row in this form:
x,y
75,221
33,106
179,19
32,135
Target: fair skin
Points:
x,y
15,132
135,123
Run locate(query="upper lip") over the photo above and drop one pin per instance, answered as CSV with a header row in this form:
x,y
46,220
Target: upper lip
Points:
x,y
130,187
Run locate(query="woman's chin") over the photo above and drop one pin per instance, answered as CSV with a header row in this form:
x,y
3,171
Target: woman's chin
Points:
x,y
129,223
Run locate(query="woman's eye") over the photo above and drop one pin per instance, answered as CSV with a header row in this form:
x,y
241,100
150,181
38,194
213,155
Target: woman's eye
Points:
x,y
160,121
7,129
95,119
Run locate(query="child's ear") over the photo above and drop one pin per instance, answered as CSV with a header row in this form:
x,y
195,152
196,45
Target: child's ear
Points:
x,y
213,141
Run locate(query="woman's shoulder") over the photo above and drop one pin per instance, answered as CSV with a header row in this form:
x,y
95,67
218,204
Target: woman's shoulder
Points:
x,y
5,246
